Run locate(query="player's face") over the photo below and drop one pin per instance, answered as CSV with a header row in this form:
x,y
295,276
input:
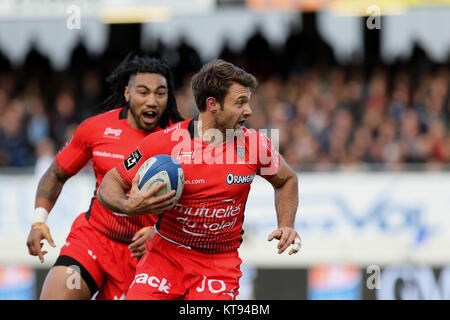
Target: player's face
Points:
x,y
147,94
236,108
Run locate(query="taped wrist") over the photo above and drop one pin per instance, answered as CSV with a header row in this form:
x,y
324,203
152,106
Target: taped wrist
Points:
x,y
40,215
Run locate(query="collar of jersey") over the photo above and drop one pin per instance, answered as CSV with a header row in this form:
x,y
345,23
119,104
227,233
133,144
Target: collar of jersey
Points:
x,y
123,114
191,127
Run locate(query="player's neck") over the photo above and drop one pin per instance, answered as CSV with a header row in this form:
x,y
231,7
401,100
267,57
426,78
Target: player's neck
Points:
x,y
131,120
207,130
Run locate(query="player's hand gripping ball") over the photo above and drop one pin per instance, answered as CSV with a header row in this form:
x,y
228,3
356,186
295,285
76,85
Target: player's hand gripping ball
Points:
x,y
159,169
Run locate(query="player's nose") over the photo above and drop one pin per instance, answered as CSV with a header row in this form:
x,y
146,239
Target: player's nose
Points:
x,y
151,100
247,112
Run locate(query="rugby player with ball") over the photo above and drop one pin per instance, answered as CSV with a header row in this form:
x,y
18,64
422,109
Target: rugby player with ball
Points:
x,y
194,254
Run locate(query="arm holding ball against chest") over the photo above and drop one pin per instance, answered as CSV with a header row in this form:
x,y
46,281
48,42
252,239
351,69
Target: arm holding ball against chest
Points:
x,y
112,194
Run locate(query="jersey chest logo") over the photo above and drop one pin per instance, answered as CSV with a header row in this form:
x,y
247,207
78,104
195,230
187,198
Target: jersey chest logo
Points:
x,y
112,133
239,179
240,152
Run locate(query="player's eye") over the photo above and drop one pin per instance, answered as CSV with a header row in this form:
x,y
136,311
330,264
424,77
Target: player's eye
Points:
x,y
241,103
162,93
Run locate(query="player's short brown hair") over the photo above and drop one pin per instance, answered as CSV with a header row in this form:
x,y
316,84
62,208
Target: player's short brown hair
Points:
x,y
215,78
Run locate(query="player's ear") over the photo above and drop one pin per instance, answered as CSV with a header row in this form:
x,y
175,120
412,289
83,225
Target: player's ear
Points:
x,y
212,105
126,94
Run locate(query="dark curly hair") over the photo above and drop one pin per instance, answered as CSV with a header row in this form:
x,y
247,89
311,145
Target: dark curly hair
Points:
x,y
132,65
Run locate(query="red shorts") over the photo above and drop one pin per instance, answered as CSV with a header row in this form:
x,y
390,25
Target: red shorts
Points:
x,y
169,271
105,265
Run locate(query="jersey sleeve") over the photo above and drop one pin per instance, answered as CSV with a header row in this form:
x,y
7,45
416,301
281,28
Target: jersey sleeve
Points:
x,y
77,151
148,147
268,157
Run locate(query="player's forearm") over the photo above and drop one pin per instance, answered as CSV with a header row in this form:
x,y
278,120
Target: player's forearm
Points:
x,y
286,202
49,187
111,194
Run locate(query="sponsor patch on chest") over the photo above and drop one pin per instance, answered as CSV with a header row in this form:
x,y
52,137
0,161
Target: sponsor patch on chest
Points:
x,y
112,133
239,179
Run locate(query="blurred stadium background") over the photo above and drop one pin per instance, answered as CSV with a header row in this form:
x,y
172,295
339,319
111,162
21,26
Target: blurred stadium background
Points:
x,y
358,89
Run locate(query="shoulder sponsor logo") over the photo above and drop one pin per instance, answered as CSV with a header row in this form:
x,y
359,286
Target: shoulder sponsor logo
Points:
x,y
175,127
236,179
132,160
112,133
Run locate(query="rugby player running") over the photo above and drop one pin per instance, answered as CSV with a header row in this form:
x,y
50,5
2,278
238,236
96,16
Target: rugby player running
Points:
x,y
99,243
194,254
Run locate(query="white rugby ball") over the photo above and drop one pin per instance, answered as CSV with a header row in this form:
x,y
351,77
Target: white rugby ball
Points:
x,y
159,169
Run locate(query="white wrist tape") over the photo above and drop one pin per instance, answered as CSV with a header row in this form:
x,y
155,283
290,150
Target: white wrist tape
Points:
x,y
40,215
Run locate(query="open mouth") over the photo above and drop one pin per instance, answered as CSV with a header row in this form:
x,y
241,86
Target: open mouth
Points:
x,y
241,123
149,117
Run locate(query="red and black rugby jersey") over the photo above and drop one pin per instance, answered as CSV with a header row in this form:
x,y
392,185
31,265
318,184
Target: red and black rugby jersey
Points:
x,y
106,140
209,215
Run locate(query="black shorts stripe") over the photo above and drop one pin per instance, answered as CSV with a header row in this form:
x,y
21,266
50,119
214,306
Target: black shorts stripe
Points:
x,y
69,261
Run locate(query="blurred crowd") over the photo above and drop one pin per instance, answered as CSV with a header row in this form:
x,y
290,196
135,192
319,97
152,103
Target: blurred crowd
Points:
x,y
329,115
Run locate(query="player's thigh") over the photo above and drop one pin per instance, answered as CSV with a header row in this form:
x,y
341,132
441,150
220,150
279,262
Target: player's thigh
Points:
x,y
150,293
157,278
214,288
65,283
218,279
118,278
119,269
83,252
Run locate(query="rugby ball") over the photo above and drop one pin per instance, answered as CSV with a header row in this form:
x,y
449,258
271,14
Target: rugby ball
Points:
x,y
159,169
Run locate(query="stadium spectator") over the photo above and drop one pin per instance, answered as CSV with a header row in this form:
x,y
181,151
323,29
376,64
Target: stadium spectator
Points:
x,y
329,115
15,149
